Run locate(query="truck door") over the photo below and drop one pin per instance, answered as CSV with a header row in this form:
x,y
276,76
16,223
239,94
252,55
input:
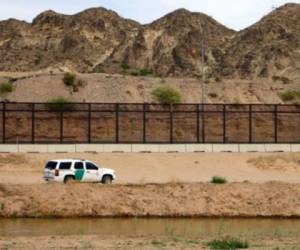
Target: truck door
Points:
x,y
91,173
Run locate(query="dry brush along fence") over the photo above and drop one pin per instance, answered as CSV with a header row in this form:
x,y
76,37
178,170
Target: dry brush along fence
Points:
x,y
148,123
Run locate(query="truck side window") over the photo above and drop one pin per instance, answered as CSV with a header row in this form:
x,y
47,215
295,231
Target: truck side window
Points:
x,y
91,166
51,165
65,165
78,165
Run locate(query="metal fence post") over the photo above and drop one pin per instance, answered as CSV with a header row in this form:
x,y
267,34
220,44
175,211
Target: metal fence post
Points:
x,y
117,123
198,123
61,126
89,122
171,122
33,123
203,123
276,123
3,123
250,124
144,123
224,123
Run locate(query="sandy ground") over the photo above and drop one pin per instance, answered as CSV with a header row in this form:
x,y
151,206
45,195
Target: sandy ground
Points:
x,y
38,87
156,185
98,242
271,199
163,168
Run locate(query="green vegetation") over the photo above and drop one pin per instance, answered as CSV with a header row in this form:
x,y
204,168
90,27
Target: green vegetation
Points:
x,y
158,243
145,72
69,79
218,180
142,72
166,95
289,95
125,66
228,243
6,87
59,104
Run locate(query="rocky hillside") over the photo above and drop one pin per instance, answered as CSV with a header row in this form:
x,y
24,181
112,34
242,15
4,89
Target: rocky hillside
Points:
x,y
269,48
99,40
171,46
77,42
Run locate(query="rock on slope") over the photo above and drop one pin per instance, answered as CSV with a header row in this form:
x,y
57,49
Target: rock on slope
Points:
x,y
269,48
100,40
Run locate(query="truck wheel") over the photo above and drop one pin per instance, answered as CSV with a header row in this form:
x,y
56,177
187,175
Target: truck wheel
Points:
x,y
106,180
69,180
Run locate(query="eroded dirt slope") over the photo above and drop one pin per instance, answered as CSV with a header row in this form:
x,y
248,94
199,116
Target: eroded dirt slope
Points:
x,y
167,200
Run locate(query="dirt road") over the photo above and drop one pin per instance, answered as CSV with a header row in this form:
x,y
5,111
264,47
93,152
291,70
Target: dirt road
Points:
x,y
163,168
148,243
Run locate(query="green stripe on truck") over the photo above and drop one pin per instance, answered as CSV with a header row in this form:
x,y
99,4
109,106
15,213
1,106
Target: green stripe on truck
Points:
x,y
79,174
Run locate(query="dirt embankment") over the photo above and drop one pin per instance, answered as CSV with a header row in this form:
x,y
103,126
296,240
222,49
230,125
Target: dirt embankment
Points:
x,y
272,199
35,87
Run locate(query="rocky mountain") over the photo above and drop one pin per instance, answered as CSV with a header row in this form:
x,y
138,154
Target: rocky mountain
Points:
x,y
269,48
99,40
172,45
77,42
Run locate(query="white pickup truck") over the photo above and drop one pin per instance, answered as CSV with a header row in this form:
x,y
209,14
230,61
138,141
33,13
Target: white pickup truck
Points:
x,y
72,170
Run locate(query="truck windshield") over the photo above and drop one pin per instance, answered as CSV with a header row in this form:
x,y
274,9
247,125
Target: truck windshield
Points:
x,y
51,165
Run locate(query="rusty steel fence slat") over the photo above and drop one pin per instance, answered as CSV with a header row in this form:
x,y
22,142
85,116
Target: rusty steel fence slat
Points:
x,y
38,123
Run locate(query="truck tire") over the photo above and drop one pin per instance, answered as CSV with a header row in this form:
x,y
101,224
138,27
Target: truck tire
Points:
x,y
106,180
69,180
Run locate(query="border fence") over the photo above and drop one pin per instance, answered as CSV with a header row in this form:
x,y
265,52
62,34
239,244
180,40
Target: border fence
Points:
x,y
40,123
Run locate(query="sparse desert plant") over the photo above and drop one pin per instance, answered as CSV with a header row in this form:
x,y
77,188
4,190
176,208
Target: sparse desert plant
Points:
x,y
125,66
69,79
228,243
166,95
6,87
285,80
275,78
218,180
145,72
213,95
59,104
289,95
218,79
158,243
73,82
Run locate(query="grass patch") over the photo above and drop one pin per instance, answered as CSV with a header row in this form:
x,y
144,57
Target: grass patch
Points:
x,y
145,72
59,104
69,79
289,95
142,72
158,243
166,95
228,243
218,180
6,87
125,66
